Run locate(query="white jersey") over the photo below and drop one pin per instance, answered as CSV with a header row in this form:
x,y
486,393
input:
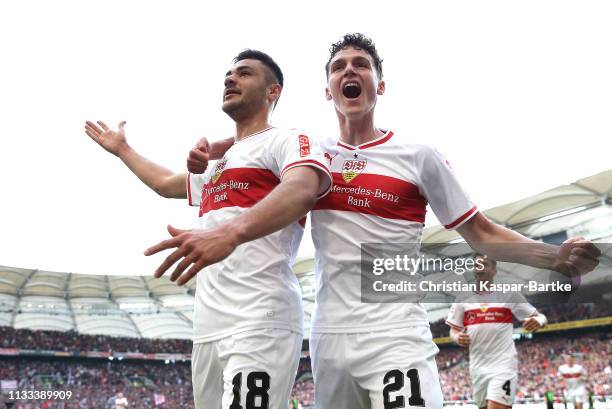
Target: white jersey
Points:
x,y
490,325
254,287
573,375
121,403
380,193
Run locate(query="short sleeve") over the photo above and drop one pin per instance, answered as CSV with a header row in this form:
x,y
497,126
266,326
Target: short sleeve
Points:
x,y
441,189
195,182
296,149
455,316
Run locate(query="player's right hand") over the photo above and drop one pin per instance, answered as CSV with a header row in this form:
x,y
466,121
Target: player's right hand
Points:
x,y
197,161
463,339
577,256
112,141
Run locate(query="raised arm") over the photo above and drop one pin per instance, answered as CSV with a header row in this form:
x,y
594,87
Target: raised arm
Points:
x,y
160,179
198,158
287,203
575,256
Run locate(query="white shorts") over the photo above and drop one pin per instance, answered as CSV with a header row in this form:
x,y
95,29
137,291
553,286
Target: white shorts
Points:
x,y
499,387
376,370
576,395
246,370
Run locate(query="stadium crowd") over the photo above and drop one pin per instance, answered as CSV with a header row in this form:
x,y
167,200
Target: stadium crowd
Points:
x,y
72,341
96,381
93,384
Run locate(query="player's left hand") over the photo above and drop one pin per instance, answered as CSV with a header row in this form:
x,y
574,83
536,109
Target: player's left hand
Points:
x,y
531,324
197,161
198,247
577,256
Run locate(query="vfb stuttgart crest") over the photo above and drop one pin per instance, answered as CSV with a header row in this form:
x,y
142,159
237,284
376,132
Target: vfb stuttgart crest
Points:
x,y
218,170
352,168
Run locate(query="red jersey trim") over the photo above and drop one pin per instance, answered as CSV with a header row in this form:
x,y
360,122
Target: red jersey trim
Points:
x,y
367,145
306,162
450,324
189,189
314,164
462,219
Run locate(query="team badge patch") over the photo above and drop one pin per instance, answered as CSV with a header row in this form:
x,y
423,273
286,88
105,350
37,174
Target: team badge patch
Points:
x,y
218,170
352,168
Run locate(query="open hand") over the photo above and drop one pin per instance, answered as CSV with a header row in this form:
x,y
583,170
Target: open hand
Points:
x,y
197,248
112,141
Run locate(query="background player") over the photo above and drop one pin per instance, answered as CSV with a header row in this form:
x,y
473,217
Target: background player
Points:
x,y
121,401
573,374
248,314
484,325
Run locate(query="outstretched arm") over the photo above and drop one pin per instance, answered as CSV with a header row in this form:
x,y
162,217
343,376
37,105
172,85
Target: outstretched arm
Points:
x,y
287,203
162,180
576,256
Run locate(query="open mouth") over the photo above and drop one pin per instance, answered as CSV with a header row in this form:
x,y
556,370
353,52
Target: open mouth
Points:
x,y
351,90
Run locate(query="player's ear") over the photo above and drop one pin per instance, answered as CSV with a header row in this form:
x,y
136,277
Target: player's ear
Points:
x,y
274,92
380,90
328,95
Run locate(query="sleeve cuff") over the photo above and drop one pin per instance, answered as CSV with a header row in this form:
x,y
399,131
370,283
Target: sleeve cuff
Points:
x,y
541,318
453,325
324,188
462,219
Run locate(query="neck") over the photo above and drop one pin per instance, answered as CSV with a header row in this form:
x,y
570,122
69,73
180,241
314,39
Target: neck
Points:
x,y
252,124
358,130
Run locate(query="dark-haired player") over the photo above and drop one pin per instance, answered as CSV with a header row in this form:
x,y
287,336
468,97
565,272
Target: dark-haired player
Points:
x,y
483,323
248,312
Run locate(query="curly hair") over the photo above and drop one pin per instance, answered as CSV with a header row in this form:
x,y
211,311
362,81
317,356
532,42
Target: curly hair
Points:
x,y
360,42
